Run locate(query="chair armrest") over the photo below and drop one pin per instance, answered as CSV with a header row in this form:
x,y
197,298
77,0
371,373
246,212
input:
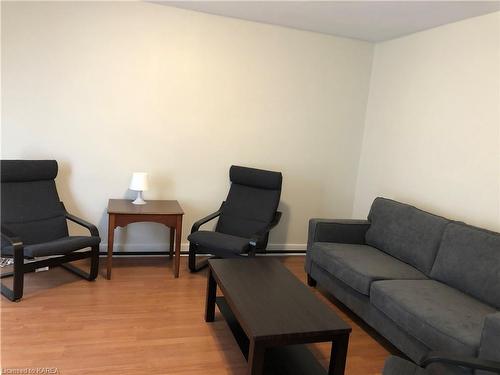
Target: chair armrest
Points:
x,y
458,360
196,226
490,338
256,237
12,238
17,246
339,231
91,227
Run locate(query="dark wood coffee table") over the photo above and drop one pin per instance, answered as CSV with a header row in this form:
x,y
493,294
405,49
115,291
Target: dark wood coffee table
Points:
x,y
267,307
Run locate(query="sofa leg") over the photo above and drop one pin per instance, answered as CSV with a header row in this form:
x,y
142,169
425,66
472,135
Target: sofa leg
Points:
x,y
311,281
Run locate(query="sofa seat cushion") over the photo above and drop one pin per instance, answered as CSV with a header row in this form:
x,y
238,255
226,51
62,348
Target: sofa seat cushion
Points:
x,y
360,265
439,316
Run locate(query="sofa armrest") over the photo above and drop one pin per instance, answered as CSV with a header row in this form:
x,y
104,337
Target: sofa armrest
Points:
x,y
490,339
334,230
462,361
339,231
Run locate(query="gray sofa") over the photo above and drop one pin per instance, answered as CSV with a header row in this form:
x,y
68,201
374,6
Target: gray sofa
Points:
x,y
424,282
436,364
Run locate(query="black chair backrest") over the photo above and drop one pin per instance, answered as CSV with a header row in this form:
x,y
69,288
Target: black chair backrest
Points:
x,y
251,203
30,204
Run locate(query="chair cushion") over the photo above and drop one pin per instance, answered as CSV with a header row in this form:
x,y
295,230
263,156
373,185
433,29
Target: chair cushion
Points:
x,y
405,232
247,210
30,205
219,243
441,317
58,247
28,170
360,265
258,178
469,260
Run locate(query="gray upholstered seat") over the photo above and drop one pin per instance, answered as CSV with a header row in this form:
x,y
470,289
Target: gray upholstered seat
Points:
x,y
405,232
469,260
360,265
439,316
34,224
399,366
225,245
244,219
455,309
60,246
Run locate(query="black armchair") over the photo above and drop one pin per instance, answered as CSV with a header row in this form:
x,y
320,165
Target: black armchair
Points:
x,y
34,224
440,363
244,219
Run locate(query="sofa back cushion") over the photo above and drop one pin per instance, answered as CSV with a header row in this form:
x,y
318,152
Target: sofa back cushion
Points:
x,y
469,260
405,232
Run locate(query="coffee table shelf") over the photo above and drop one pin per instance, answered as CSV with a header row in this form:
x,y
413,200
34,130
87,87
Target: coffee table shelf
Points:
x,y
290,360
272,314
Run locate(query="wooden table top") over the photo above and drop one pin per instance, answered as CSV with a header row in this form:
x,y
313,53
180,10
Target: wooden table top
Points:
x,y
152,207
269,301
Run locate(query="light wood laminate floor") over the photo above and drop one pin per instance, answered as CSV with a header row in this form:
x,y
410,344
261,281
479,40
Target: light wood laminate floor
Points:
x,y
143,321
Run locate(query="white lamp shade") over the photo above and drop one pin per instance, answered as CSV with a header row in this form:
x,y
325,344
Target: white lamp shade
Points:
x,y
139,181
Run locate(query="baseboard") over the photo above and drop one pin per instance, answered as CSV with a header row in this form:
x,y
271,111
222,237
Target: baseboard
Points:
x,y
163,248
152,247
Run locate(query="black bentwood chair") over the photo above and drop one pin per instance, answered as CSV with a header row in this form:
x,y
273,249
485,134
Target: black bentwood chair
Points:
x,y
34,224
245,218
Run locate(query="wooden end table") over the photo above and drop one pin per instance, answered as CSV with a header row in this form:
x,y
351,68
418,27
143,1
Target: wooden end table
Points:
x,y
122,212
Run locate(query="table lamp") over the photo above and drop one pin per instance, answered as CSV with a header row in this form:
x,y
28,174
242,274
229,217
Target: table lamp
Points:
x,y
139,183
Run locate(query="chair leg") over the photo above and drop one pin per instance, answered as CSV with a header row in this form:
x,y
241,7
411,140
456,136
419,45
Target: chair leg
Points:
x,y
94,263
193,266
94,266
18,275
192,257
16,293
200,265
13,295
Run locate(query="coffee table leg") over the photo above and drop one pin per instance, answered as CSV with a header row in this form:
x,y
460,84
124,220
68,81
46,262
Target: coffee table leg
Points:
x,y
211,295
338,355
256,358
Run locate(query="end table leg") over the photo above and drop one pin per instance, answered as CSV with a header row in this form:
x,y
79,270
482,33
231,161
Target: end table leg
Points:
x,y
172,239
178,233
256,355
111,236
211,295
338,355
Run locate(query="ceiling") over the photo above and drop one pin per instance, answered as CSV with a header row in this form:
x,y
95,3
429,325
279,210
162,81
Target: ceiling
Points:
x,y
373,21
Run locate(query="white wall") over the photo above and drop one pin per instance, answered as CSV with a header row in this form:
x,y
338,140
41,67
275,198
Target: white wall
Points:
x,y
112,88
432,133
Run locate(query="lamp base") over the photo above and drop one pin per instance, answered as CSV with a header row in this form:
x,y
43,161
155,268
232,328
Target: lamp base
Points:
x,y
139,199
